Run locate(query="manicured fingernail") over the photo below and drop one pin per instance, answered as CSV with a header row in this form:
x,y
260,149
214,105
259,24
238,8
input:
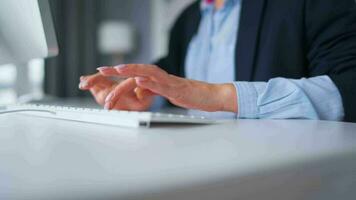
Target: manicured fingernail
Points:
x,y
120,67
108,98
83,84
108,106
103,68
141,79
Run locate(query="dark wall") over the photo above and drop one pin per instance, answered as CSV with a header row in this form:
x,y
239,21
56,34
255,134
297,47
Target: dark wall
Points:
x,y
76,23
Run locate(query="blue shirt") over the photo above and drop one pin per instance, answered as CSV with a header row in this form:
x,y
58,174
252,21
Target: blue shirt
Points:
x,y
211,58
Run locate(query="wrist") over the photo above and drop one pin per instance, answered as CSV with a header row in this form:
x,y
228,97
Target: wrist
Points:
x,y
226,97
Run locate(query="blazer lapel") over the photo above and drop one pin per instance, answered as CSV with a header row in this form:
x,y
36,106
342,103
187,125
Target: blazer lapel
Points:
x,y
247,41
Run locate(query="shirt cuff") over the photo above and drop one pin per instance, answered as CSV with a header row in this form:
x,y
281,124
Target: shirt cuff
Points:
x,y
246,100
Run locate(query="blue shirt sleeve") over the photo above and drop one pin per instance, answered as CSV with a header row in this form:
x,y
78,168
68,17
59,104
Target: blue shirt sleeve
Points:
x,y
282,98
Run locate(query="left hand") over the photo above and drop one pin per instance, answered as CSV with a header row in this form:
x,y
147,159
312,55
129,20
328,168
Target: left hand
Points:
x,y
126,94
182,92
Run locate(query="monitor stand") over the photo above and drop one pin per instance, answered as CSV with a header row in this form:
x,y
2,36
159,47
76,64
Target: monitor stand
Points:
x,y
23,85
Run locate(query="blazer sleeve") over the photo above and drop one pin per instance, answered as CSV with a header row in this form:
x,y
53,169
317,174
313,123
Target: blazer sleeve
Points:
x,y
331,43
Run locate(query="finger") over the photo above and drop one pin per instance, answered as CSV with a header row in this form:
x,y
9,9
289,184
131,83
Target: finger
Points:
x,y
126,86
107,71
153,86
143,93
99,94
133,70
87,82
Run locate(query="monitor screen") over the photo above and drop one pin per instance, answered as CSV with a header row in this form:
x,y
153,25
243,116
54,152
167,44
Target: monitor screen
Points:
x,y
26,31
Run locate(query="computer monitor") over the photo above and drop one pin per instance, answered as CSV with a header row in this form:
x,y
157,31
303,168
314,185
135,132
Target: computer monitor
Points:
x,y
26,31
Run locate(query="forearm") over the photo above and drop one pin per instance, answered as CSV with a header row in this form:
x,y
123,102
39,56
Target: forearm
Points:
x,y
207,97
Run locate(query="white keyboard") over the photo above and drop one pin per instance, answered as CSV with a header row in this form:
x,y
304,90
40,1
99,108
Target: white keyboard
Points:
x,y
98,116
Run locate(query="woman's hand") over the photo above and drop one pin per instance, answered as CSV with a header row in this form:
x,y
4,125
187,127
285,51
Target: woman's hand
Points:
x,y
182,92
124,95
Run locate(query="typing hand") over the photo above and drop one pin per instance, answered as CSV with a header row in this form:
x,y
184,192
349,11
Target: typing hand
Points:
x,y
179,91
124,95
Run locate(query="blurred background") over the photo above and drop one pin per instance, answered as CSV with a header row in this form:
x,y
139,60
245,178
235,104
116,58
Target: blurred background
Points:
x,y
92,33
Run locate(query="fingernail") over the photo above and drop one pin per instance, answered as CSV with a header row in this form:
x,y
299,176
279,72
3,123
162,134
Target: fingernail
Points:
x,y
108,98
81,78
83,84
103,68
108,106
141,79
120,67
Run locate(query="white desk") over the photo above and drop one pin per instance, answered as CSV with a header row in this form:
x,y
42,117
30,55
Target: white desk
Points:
x,y
245,159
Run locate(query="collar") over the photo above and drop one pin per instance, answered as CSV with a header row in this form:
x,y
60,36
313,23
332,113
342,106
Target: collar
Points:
x,y
207,4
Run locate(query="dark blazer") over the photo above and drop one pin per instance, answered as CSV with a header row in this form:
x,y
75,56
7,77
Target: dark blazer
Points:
x,y
284,38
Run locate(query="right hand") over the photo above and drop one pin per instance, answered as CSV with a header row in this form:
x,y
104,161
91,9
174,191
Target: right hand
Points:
x,y
124,95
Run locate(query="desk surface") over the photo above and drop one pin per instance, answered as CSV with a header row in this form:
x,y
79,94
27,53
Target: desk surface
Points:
x,y
246,159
